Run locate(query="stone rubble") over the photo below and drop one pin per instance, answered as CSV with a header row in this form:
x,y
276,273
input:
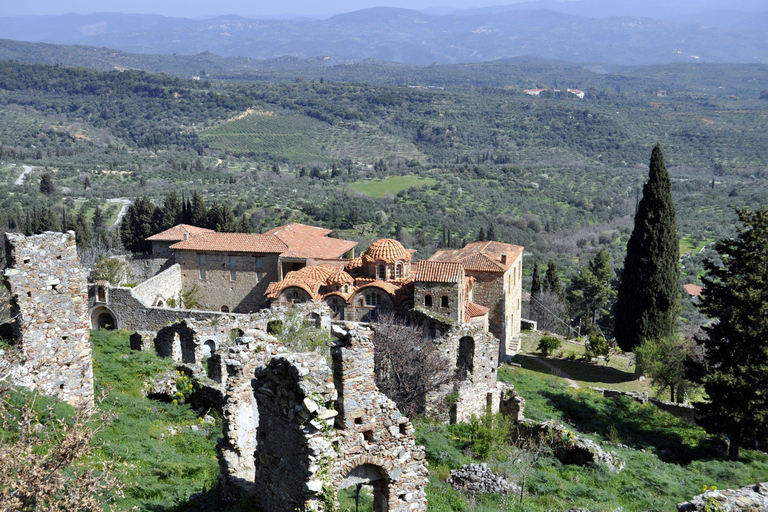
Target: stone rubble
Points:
x,y
479,479
752,498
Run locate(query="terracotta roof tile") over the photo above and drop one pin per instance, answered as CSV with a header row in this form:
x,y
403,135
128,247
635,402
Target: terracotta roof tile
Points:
x,y
475,310
388,250
693,290
439,271
232,242
481,256
177,232
305,241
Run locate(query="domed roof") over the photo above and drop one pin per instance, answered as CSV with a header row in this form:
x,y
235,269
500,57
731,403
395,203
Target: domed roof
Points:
x,y
387,250
340,277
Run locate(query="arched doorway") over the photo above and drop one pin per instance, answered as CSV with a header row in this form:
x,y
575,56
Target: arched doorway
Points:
x,y
103,318
367,486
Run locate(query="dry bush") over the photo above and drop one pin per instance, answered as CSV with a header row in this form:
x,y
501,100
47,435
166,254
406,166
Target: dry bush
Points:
x,y
408,364
45,462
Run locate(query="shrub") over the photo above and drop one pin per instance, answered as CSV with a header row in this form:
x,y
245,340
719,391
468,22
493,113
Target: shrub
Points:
x,y
548,344
597,346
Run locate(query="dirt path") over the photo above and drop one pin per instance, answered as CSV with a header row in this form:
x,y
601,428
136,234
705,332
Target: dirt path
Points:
x,y
20,180
123,210
557,371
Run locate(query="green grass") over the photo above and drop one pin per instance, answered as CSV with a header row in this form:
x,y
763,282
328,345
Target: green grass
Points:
x,y
161,469
391,185
686,244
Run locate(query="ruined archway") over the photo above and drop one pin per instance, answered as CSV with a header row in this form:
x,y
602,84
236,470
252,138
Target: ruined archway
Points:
x,y
465,362
103,318
209,348
372,478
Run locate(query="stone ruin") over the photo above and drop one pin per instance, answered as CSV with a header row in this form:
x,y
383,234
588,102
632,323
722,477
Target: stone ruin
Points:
x,y
49,316
297,431
752,498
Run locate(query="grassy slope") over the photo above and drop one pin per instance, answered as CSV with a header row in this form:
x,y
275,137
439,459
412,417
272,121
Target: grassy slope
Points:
x,y
391,185
668,461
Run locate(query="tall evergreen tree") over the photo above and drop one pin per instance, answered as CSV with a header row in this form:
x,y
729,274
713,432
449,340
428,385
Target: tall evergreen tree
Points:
x,y
552,283
98,218
137,225
491,233
646,306
481,235
734,371
535,281
46,184
245,225
198,212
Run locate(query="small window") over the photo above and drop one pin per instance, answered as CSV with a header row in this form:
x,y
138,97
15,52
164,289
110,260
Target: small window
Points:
x,y
232,262
202,273
428,301
232,274
444,301
201,260
225,309
383,272
259,262
398,271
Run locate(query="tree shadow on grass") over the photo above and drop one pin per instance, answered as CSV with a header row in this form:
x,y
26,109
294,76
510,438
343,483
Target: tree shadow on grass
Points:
x,y
641,426
575,370
200,502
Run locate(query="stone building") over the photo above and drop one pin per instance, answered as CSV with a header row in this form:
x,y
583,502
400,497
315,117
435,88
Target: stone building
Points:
x,y
359,289
296,432
497,271
162,242
49,309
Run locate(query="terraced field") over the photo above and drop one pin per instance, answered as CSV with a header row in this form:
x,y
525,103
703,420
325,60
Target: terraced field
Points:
x,y
299,138
391,185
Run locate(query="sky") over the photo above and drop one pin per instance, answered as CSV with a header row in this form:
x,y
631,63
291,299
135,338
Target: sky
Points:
x,y
201,8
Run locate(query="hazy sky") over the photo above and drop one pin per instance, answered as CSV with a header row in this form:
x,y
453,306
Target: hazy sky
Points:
x,y
194,8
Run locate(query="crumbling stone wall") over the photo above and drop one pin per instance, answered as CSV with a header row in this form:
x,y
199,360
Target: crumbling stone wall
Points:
x,y
49,301
315,431
163,287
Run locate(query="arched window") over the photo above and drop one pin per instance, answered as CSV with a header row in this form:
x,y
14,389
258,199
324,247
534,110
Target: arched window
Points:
x,y
382,272
428,301
444,301
225,309
398,271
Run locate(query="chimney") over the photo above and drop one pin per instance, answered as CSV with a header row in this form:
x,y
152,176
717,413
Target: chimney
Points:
x,y
504,259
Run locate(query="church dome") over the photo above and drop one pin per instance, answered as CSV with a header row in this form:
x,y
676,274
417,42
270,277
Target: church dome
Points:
x,y
387,250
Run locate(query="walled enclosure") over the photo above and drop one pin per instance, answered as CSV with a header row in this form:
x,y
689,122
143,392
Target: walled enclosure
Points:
x,y
49,302
317,431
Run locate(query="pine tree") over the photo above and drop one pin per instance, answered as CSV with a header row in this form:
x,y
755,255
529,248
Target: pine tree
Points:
x,y
646,306
481,235
734,371
137,225
198,212
46,184
535,281
552,283
491,232
245,225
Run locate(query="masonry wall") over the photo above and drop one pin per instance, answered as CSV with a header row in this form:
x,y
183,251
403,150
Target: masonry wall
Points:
x,y
456,298
489,291
217,289
160,288
143,266
513,294
49,297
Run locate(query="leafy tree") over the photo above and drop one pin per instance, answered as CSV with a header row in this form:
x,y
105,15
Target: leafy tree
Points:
x,y
109,269
552,283
734,370
548,344
535,281
646,305
46,184
664,363
98,218
83,234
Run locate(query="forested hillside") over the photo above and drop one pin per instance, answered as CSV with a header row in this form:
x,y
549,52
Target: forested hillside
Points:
x,y
349,148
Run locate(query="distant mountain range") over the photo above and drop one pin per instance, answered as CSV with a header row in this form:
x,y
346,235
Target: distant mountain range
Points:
x,y
412,37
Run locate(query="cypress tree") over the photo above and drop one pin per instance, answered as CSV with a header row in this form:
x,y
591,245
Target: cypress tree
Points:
x,y
535,281
552,283
646,305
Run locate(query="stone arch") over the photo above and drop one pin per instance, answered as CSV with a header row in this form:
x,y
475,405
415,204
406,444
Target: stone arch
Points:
x,y
337,305
209,348
428,300
225,309
314,320
103,318
373,476
296,295
374,300
465,361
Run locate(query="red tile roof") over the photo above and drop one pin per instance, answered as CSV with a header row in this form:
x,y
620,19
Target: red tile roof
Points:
x,y
475,310
305,241
177,232
388,250
439,271
693,290
232,242
481,256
